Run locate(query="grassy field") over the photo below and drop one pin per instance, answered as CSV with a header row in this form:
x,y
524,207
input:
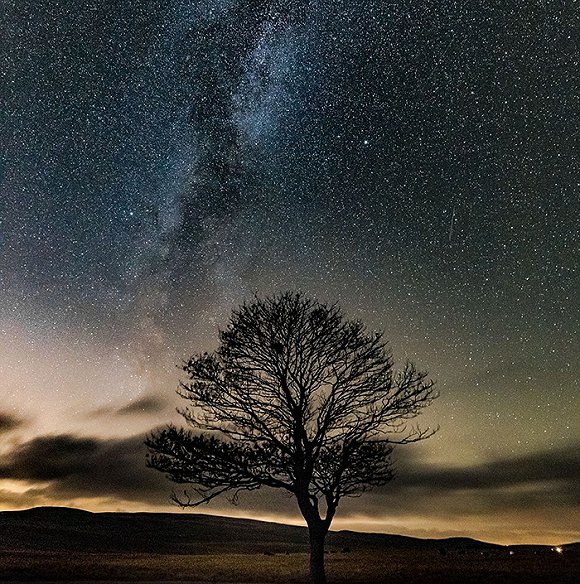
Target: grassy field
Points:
x,y
394,567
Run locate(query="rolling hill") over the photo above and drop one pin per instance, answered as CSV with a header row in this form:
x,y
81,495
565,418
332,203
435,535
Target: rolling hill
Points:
x,y
60,528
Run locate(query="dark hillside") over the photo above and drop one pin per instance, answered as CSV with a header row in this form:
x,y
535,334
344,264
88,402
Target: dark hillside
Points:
x,y
58,528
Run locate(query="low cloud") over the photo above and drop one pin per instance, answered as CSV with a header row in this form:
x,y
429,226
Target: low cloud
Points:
x,y
63,468
555,465
145,405
544,482
76,467
149,404
9,422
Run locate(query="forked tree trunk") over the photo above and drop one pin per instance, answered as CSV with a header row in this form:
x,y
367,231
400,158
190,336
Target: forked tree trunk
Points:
x,y
317,536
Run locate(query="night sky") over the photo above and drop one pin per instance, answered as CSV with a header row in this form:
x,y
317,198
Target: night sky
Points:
x,y
163,160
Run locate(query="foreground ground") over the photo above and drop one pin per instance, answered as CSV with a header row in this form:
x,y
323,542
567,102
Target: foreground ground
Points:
x,y
394,567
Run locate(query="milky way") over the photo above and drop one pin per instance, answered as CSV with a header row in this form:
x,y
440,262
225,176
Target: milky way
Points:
x,y
163,160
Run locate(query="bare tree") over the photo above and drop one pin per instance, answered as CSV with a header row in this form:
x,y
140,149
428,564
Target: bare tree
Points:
x,y
296,397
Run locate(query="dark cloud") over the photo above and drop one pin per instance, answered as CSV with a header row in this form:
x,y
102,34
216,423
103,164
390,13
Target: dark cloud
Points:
x,y
48,458
552,465
144,405
9,422
77,467
548,480
87,467
149,404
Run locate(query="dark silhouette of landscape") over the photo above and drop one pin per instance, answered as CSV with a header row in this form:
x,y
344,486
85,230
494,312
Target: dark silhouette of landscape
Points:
x,y
63,544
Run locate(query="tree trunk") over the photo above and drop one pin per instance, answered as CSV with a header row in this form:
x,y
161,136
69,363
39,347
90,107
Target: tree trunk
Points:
x,y
317,536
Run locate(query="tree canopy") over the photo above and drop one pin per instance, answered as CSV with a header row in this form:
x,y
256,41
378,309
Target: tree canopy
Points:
x,y
296,397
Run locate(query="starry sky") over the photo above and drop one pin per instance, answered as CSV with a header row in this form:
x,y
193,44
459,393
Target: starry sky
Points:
x,y
163,160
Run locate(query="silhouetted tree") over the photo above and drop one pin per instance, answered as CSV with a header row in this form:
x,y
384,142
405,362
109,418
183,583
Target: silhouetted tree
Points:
x,y
296,397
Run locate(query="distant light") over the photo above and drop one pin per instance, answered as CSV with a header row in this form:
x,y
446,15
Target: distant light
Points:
x,y
558,550
512,552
